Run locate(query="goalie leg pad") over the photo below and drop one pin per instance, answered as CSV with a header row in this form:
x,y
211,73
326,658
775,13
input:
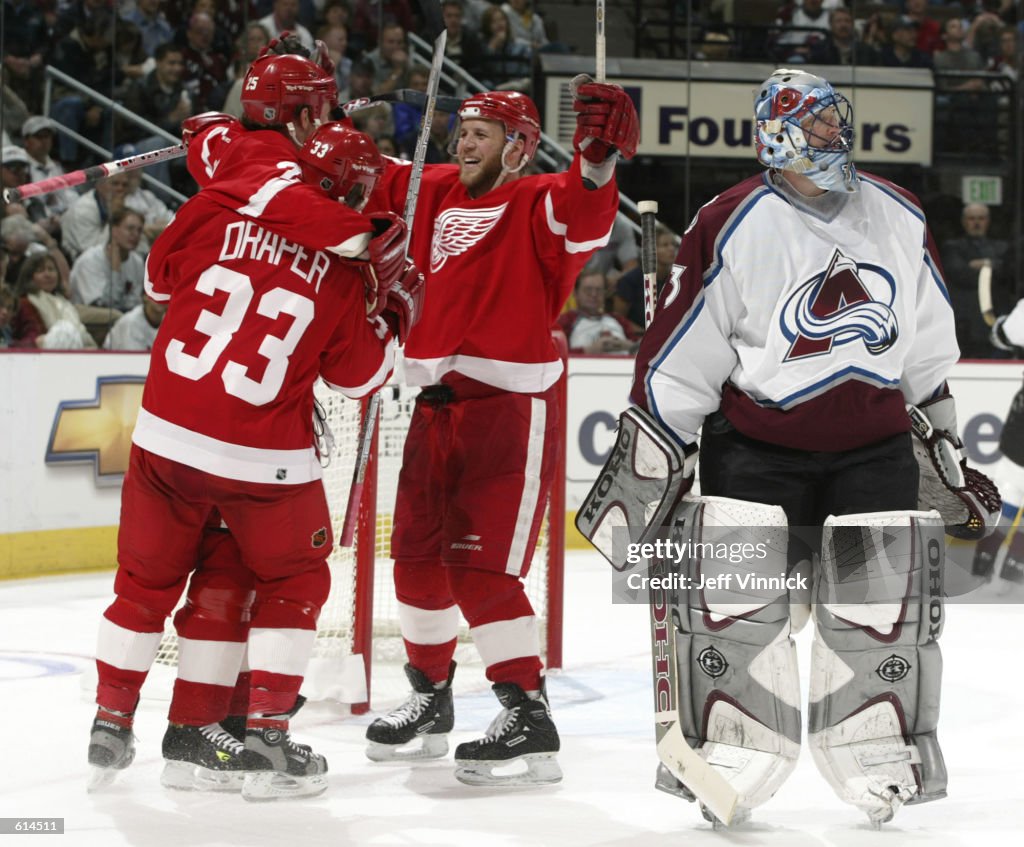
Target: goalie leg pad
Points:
x,y
739,690
876,667
646,472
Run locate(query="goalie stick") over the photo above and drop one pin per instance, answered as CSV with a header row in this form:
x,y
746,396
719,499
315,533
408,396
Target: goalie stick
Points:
x,y
369,424
682,761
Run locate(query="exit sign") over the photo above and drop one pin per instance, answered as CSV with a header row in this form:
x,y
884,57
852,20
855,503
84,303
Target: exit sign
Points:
x,y
983,189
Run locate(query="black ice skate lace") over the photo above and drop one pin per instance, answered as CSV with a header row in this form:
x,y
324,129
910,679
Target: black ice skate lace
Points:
x,y
222,739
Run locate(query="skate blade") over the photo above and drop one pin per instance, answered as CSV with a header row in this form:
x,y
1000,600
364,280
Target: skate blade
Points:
x,y
421,747
99,778
183,776
271,785
541,769
739,817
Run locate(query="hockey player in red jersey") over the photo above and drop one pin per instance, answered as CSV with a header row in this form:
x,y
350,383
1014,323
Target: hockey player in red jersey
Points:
x,y
225,429
806,331
501,251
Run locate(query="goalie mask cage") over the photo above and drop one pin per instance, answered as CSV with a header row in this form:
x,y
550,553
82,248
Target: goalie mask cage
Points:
x,y
359,651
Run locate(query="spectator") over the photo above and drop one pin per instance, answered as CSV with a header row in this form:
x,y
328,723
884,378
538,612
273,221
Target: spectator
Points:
x,y
802,25
153,210
901,51
285,16
929,33
45,317
1007,62
22,239
249,46
13,111
25,48
957,57
337,13
152,24
843,45
129,56
84,55
628,300
621,254
367,15
473,13
360,79
463,45
335,38
962,258
8,307
589,329
37,135
85,223
14,171
507,60
407,117
136,330
111,275
526,24
985,30
206,70
162,99
390,60
375,121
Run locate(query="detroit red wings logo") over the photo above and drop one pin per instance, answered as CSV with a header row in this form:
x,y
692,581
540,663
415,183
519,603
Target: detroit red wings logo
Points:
x,y
457,230
848,302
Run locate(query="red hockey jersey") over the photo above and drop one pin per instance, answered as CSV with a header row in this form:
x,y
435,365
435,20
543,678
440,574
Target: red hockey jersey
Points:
x,y
246,169
253,319
499,269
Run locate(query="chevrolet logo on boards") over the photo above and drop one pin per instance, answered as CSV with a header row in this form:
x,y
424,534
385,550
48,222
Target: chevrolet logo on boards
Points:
x,y
98,430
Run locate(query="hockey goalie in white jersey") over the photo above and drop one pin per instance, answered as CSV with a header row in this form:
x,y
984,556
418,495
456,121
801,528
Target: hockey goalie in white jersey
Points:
x,y
807,333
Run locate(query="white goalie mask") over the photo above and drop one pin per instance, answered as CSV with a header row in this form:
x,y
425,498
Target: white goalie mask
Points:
x,y
805,126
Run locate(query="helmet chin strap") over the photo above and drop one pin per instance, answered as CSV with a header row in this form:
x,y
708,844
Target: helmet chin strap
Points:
x,y
506,171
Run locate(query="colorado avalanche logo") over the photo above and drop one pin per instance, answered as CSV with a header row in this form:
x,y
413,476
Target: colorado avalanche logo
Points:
x,y
836,308
457,230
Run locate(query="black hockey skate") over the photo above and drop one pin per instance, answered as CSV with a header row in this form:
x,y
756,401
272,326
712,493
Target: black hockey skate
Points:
x,y
282,768
205,758
427,716
522,733
111,748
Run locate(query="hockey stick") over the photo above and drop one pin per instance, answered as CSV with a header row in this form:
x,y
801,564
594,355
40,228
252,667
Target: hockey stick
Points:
x,y
599,43
649,256
682,761
410,96
92,174
988,311
369,424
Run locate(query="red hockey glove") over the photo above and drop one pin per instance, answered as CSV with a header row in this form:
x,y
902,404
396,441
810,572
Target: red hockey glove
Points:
x,y
403,302
387,259
968,501
191,127
606,120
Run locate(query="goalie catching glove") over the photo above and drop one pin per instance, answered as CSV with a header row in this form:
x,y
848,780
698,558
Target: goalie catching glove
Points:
x,y
968,501
606,121
394,285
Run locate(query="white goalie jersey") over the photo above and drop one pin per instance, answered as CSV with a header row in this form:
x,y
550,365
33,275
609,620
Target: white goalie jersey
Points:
x,y
809,322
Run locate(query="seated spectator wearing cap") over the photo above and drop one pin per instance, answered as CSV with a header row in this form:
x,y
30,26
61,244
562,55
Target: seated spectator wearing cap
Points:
x,y
45,318
37,134
137,329
587,327
901,50
14,171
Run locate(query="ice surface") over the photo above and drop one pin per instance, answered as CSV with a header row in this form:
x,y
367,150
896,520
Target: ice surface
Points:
x,y
602,705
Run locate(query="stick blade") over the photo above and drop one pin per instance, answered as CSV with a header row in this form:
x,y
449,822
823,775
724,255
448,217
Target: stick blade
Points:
x,y
686,765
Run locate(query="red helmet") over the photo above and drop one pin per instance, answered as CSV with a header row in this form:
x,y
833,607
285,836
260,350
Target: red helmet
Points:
x,y
515,111
276,88
342,161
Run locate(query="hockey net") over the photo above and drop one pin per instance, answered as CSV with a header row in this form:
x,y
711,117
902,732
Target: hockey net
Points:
x,y
359,653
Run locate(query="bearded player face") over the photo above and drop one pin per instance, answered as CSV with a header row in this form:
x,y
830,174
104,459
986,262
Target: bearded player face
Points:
x,y
479,150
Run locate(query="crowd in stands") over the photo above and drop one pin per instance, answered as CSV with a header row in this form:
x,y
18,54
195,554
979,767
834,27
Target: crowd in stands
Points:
x,y
80,253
